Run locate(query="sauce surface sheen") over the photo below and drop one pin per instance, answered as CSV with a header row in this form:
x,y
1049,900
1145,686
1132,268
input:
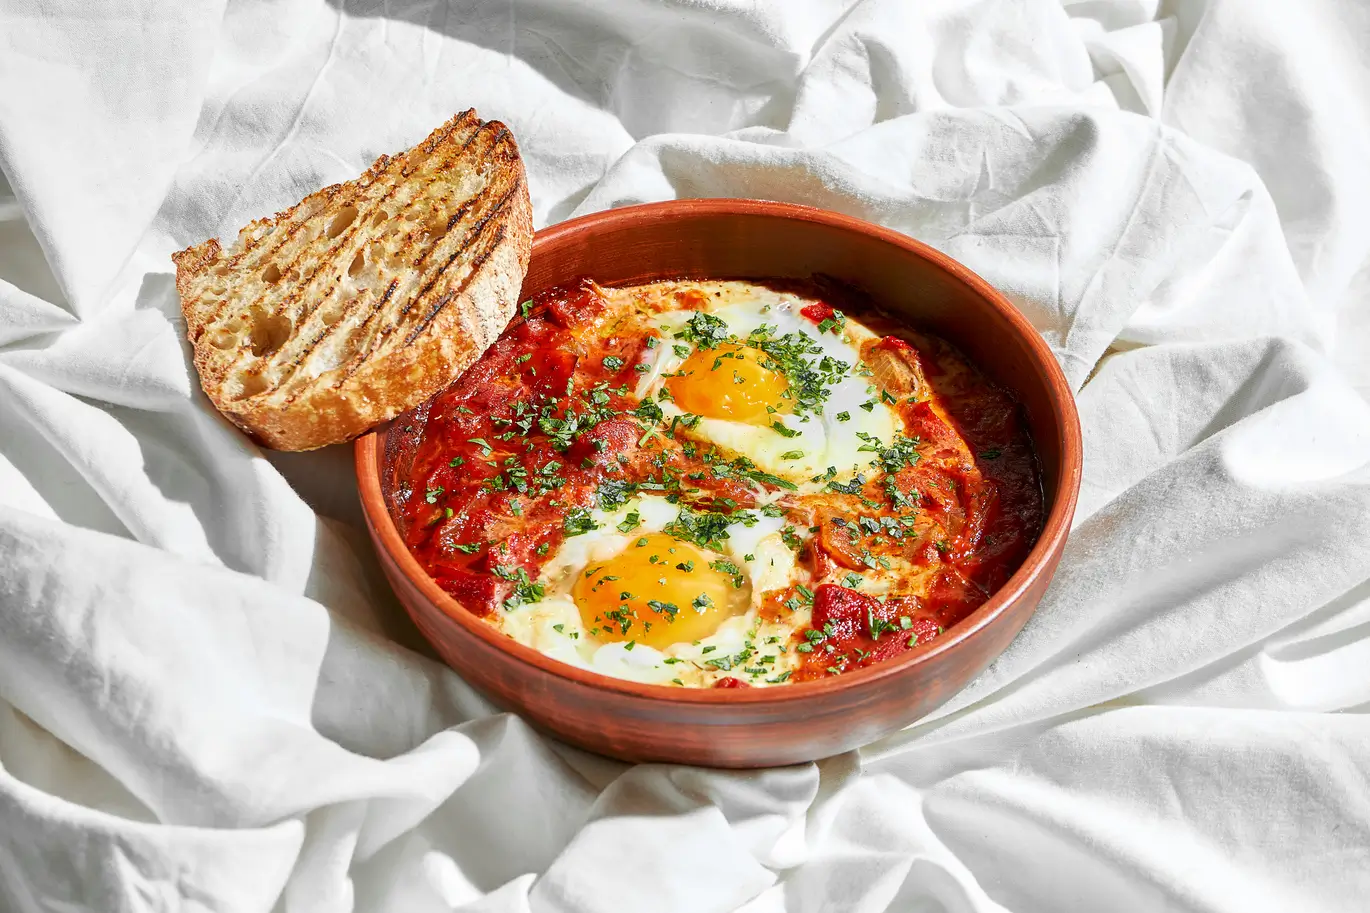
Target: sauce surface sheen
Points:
x,y
793,491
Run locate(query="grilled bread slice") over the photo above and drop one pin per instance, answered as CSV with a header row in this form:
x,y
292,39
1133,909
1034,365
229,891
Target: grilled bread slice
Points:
x,y
367,297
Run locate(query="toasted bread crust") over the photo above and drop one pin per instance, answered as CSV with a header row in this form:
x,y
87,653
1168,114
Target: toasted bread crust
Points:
x,y
366,298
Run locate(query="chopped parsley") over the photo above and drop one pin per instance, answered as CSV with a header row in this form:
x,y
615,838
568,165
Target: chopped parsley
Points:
x,y
613,493
726,566
649,412
793,355
525,590
743,468
903,451
833,324
704,330
669,609
766,478
853,487
876,625
578,522
707,529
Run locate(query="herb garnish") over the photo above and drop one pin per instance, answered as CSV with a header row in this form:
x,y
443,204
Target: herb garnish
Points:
x,y
704,330
578,522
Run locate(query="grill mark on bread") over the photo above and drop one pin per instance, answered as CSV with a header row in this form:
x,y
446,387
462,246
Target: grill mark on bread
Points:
x,y
453,158
473,233
367,347
447,297
232,313
326,261
444,299
282,234
378,306
350,308
359,224
450,161
359,358
378,340
355,362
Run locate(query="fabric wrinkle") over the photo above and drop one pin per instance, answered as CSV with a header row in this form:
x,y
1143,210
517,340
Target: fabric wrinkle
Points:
x,y
210,700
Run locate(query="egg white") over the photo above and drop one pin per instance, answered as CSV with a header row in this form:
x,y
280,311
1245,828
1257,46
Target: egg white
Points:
x,y
821,441
553,625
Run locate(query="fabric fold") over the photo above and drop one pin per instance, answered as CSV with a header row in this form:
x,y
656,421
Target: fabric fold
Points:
x,y
210,700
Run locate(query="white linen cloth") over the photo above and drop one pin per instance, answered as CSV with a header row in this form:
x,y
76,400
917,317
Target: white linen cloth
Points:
x,y
208,697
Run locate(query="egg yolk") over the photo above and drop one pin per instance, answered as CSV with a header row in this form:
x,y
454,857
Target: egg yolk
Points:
x,y
729,382
658,591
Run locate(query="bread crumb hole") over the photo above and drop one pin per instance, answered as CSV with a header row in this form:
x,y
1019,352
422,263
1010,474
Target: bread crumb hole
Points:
x,y
269,332
332,312
341,221
222,339
272,274
379,218
249,385
358,262
436,225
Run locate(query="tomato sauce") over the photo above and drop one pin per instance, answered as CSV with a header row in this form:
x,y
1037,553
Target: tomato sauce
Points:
x,y
491,475
978,476
537,430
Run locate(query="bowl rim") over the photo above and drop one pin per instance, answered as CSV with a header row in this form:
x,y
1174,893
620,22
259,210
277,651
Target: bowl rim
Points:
x,y
1054,530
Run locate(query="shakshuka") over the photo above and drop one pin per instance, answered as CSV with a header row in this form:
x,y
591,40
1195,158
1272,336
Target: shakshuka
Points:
x,y
716,484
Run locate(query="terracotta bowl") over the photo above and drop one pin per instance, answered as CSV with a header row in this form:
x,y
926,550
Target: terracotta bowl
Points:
x,y
801,722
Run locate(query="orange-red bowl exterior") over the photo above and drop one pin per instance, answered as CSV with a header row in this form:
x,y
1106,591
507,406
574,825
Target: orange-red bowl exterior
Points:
x,y
801,722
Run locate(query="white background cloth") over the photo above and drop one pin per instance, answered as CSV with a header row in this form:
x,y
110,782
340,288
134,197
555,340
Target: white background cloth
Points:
x,y
210,701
